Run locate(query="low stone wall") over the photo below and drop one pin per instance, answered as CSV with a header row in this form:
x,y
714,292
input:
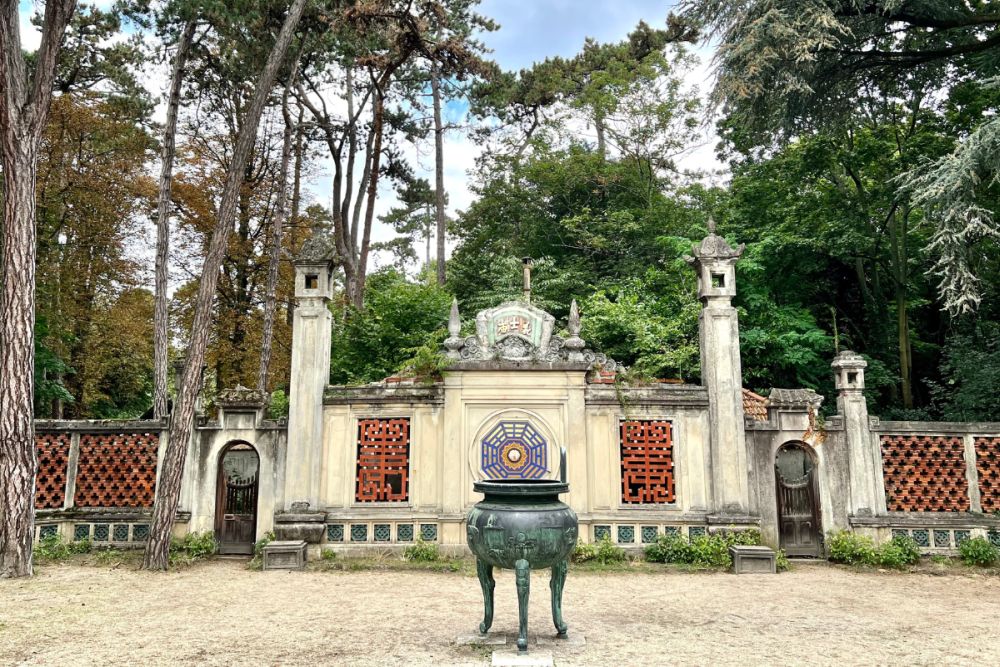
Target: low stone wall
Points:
x,y
941,480
96,480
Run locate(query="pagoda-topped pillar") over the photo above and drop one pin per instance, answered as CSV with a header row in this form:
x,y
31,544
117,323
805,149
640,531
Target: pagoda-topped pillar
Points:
x,y
714,261
312,328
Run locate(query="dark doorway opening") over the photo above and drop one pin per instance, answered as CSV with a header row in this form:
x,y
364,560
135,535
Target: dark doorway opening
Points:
x,y
798,501
236,498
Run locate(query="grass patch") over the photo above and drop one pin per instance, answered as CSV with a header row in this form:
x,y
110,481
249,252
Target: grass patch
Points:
x,y
388,563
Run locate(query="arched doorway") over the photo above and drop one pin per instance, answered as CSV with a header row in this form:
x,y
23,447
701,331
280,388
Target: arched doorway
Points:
x,y
236,498
798,500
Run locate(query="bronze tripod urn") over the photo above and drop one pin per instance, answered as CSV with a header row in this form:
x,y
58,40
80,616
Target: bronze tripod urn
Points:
x,y
522,525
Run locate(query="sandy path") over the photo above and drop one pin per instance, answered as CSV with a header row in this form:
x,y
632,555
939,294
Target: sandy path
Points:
x,y
220,613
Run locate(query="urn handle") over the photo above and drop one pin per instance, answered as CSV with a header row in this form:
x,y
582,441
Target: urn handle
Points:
x,y
562,465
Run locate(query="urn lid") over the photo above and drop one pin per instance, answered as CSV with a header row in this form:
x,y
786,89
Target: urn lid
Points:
x,y
521,488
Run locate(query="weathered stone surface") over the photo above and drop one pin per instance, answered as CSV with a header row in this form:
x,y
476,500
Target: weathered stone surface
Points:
x,y
477,639
514,659
285,555
753,560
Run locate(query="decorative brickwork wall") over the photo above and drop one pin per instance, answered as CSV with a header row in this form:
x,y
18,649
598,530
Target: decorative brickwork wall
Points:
x,y
924,473
383,469
116,470
647,462
53,459
988,465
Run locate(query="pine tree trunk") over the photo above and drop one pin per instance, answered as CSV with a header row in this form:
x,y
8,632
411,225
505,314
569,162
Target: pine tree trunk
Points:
x,y
270,304
161,341
439,175
182,418
24,107
17,358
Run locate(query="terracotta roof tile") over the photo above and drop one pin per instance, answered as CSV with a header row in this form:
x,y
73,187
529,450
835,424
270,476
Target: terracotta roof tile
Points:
x,y
754,406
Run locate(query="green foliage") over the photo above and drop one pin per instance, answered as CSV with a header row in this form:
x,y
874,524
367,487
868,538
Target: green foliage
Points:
x,y
257,562
277,407
584,552
979,551
603,552
428,363
608,553
899,552
49,371
853,549
781,561
328,555
970,369
192,547
399,318
422,552
54,548
710,550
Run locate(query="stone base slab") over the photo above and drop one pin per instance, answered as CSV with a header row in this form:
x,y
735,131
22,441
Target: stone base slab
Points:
x,y
753,560
510,658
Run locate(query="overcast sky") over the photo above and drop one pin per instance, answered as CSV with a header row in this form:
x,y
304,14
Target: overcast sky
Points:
x,y
530,31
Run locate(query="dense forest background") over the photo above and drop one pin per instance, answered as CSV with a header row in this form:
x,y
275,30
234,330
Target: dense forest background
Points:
x,y
580,169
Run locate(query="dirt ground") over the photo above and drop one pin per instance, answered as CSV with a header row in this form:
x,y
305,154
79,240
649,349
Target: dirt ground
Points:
x,y
221,613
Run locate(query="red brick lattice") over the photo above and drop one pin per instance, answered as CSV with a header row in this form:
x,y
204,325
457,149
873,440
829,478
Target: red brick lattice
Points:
x,y
53,458
383,460
924,473
116,470
647,462
988,465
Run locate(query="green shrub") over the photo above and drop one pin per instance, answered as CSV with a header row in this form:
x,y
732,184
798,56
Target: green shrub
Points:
x,y
708,550
422,552
328,555
852,549
192,547
781,561
584,552
979,551
257,562
54,548
277,407
608,553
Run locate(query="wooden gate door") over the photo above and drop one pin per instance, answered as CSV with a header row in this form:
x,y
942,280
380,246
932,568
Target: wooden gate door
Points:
x,y
798,509
236,505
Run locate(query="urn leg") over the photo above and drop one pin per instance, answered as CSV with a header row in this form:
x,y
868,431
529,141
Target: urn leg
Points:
x,y
522,573
556,583
485,572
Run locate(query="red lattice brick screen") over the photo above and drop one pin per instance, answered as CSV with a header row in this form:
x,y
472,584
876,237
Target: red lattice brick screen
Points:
x,y
383,460
924,474
647,462
53,458
988,465
116,470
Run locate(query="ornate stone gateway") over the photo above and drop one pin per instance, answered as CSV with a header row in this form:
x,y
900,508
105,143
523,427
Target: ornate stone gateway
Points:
x,y
236,502
522,525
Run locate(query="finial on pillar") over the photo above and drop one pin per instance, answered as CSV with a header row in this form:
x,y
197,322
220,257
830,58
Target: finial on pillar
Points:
x,y
711,225
527,262
453,343
574,343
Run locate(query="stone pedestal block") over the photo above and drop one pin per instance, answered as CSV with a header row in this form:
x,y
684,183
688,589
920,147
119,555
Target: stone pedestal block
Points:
x,y
285,555
306,526
753,560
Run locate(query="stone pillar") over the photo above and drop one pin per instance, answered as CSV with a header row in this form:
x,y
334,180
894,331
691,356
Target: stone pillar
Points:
x,y
310,372
867,494
714,260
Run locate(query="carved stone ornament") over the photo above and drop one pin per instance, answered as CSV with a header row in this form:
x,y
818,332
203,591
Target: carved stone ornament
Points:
x,y
241,396
317,249
516,331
